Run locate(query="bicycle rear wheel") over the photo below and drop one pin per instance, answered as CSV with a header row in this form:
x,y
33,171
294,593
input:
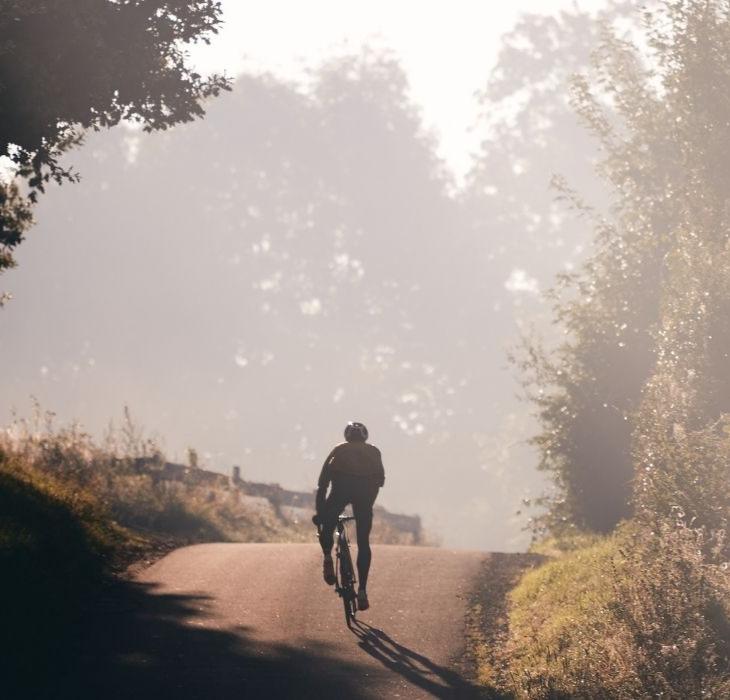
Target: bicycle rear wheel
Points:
x,y
349,601
347,583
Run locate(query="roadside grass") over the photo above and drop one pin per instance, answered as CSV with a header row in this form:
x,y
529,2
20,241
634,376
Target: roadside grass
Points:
x,y
54,530
632,614
487,628
555,612
154,510
555,546
55,549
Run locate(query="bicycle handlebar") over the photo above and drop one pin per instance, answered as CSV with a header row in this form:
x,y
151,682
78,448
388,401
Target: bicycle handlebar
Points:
x,y
340,518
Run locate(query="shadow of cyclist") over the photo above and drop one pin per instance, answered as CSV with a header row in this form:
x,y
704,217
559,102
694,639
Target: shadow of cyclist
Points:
x,y
441,682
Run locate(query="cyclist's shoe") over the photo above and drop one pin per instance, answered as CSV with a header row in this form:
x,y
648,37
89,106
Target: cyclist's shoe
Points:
x,y
362,600
328,570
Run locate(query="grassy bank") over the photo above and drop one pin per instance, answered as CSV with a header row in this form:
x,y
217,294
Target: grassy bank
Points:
x,y
75,514
61,550
634,614
56,550
108,474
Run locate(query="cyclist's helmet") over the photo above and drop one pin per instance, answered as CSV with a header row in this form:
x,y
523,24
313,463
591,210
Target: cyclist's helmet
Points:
x,y
356,432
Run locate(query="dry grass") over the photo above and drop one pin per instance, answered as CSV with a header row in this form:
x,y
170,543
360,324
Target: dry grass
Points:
x,y
106,477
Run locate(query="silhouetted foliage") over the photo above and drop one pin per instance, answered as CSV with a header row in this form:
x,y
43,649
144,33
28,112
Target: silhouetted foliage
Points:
x,y
68,66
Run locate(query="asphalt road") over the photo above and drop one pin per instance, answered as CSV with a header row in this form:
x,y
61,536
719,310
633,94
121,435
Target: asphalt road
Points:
x,y
257,621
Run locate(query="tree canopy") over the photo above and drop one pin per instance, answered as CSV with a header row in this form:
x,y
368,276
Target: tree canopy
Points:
x,y
73,65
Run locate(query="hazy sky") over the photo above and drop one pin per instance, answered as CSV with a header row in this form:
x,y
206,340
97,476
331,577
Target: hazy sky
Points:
x,y
226,309
447,48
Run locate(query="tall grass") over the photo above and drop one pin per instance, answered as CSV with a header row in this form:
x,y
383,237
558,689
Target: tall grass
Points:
x,y
108,475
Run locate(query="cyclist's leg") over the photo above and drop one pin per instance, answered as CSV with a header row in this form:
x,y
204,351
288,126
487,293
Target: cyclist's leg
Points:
x,y
333,506
362,507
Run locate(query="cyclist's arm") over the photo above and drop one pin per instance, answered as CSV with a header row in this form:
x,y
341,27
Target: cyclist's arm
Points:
x,y
380,470
325,477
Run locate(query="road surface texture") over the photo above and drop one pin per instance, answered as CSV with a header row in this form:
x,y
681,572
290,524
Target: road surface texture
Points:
x,y
244,621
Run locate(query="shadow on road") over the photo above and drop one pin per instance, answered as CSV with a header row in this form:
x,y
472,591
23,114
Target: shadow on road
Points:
x,y
140,644
437,680
129,640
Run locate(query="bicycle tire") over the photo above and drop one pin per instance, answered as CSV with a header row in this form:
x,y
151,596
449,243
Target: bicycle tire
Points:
x,y
347,581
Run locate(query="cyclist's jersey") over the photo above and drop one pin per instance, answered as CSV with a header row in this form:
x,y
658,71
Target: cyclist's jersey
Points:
x,y
353,459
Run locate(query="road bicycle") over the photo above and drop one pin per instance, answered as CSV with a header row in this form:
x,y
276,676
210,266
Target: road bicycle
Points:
x,y
345,571
345,586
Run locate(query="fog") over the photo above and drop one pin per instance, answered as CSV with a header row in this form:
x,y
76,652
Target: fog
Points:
x,y
302,257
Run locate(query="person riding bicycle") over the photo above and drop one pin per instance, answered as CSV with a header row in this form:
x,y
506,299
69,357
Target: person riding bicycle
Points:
x,y
355,470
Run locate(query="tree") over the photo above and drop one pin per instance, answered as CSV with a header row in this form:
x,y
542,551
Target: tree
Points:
x,y
73,65
682,434
627,398
533,134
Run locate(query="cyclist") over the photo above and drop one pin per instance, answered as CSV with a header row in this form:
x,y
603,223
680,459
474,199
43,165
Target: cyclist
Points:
x,y
355,470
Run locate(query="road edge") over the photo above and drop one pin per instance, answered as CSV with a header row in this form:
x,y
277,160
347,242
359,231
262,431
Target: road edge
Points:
x,y
487,621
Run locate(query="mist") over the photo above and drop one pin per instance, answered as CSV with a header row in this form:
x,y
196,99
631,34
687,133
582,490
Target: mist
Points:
x,y
302,257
